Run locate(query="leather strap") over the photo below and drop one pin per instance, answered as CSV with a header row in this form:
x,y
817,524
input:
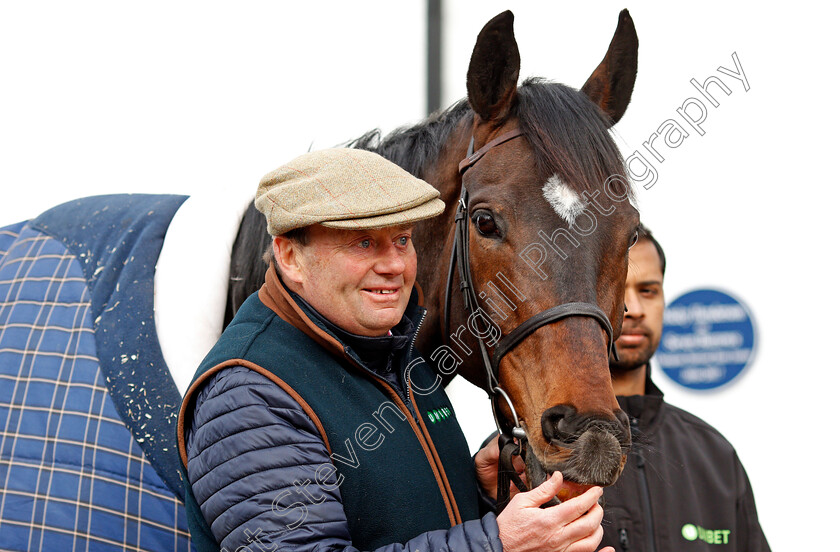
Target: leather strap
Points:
x,y
511,340
507,474
472,158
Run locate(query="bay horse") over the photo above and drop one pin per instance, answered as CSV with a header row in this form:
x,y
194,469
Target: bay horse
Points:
x,y
524,273
546,224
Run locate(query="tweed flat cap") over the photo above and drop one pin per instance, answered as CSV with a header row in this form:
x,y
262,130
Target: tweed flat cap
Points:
x,y
343,188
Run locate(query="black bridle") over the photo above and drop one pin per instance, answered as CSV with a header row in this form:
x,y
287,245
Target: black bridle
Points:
x,y
510,442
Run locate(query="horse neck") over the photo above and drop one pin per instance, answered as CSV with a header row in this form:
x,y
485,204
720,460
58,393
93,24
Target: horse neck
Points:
x,y
433,238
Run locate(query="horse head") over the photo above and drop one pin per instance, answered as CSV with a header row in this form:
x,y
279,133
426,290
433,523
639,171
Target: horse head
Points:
x,y
548,222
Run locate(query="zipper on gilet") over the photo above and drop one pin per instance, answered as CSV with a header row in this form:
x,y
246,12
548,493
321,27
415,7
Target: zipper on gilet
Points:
x,y
403,394
623,539
644,489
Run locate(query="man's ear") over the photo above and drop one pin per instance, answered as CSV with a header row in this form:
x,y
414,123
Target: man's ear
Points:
x,y
288,259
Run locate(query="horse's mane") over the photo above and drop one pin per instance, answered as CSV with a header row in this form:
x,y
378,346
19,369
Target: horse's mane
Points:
x,y
247,269
413,147
568,132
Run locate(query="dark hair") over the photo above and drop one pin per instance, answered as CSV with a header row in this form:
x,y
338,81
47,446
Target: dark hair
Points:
x,y
646,234
299,235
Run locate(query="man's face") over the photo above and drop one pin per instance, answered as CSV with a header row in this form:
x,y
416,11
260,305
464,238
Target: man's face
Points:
x,y
360,280
645,302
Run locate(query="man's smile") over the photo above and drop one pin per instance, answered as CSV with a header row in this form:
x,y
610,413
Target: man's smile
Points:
x,y
383,295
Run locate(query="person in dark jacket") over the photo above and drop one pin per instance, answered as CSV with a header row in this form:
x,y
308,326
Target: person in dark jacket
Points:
x,y
683,487
302,429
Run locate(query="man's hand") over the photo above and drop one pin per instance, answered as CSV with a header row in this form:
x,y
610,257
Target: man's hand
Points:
x,y
572,526
487,468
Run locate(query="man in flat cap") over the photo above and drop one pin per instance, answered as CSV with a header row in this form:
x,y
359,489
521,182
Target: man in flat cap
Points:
x,y
302,429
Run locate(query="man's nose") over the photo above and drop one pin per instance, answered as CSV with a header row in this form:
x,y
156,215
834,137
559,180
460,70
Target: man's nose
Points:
x,y
391,261
633,305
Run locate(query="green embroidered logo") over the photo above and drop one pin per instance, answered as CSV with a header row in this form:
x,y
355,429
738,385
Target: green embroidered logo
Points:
x,y
692,532
438,414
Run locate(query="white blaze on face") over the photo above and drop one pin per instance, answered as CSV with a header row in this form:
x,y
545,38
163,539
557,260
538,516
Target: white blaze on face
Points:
x,y
563,199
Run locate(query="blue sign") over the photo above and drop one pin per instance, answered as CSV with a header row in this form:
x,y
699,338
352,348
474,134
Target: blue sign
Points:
x,y
708,338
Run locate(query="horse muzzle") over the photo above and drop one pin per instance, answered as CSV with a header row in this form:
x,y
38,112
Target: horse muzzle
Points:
x,y
587,450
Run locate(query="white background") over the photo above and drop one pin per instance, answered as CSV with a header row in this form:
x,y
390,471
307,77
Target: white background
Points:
x,y
205,98
192,97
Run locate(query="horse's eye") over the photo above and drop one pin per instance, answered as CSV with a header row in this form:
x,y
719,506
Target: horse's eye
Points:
x,y
634,239
485,223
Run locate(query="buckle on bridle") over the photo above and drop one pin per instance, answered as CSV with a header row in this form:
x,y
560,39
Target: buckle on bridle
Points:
x,y
517,432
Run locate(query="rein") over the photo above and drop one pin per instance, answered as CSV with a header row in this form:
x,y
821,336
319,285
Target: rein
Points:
x,y
510,442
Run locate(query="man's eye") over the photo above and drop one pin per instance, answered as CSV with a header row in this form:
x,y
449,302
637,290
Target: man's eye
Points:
x,y
364,244
403,240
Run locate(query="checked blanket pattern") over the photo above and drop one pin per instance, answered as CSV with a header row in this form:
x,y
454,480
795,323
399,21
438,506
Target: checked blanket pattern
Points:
x,y
86,412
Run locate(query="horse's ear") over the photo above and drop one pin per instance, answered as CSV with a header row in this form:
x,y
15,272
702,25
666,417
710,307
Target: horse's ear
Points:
x,y
611,84
494,69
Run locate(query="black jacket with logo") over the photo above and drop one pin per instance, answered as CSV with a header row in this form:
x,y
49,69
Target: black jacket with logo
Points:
x,y
683,487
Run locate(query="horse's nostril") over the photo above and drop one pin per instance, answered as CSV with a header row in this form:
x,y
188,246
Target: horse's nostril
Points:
x,y
559,423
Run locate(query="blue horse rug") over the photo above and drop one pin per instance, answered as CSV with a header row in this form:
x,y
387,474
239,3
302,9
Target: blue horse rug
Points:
x,y
87,403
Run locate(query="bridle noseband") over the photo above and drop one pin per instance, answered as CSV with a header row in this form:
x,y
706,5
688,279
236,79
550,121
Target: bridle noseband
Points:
x,y
460,258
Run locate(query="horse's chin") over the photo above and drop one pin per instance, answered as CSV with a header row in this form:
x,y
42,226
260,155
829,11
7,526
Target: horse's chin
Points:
x,y
569,489
595,460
